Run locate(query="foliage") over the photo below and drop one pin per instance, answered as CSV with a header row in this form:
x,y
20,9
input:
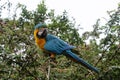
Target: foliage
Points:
x,y
20,59
108,48
62,27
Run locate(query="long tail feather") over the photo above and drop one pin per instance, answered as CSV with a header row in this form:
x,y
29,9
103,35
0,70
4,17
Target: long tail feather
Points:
x,y
81,61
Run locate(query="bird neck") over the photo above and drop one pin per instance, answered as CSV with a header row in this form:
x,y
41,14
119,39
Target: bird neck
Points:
x,y
40,42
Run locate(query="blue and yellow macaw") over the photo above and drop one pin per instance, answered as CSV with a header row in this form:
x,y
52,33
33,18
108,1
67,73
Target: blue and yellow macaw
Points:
x,y
55,46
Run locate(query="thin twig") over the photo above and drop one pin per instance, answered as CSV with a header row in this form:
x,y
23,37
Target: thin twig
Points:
x,y
49,67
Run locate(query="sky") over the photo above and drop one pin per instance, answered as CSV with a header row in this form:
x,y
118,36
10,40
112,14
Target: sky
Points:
x,y
85,12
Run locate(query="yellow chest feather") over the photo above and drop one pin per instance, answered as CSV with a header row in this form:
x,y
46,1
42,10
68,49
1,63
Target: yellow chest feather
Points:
x,y
40,42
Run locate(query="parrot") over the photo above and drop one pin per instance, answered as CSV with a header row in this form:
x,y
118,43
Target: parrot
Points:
x,y
55,46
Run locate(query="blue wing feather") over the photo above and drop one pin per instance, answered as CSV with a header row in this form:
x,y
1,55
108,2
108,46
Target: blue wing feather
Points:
x,y
81,61
56,45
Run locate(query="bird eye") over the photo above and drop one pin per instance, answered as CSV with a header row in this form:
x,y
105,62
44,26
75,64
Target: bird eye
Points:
x,y
40,30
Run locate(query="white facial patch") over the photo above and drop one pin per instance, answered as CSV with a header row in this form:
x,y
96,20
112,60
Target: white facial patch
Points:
x,y
39,33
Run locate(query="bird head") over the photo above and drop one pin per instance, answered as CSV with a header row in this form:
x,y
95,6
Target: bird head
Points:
x,y
41,30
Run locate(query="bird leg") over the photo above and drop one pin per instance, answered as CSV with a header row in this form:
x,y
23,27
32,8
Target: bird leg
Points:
x,y
52,58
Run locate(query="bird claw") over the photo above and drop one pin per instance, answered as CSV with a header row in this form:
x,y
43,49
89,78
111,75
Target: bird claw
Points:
x,y
53,61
